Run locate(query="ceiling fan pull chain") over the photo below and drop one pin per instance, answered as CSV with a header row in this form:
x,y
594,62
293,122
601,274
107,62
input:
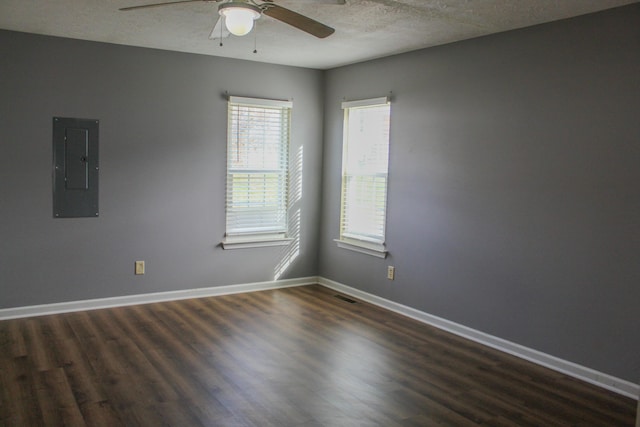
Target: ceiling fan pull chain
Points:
x,y
221,17
255,38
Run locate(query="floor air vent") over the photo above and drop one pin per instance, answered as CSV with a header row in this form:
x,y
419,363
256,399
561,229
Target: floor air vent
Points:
x,y
349,300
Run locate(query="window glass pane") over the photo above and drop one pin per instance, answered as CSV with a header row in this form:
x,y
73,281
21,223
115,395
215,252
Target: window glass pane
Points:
x,y
257,162
365,170
368,140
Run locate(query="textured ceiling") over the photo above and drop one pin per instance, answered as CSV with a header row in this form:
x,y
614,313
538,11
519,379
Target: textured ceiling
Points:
x,y
365,29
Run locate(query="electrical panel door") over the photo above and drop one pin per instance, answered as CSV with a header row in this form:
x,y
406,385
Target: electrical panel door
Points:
x,y
75,167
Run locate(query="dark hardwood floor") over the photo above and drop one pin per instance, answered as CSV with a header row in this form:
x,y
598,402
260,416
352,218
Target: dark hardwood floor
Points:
x,y
288,357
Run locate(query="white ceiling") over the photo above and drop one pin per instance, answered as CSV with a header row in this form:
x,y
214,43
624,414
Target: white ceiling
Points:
x,y
365,29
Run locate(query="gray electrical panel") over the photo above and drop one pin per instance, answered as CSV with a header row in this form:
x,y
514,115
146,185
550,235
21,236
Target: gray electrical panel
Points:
x,y
75,168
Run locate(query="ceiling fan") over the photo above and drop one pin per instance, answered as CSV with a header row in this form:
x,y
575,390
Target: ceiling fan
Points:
x,y
239,16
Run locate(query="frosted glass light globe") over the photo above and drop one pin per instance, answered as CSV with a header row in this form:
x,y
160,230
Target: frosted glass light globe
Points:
x,y
239,20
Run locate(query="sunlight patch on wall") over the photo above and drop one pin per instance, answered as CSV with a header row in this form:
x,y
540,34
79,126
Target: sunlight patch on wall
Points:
x,y
292,251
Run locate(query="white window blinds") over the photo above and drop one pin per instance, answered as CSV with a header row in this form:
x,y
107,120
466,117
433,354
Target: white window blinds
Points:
x,y
364,170
257,164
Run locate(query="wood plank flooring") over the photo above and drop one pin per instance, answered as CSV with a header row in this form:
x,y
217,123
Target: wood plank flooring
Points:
x,y
287,357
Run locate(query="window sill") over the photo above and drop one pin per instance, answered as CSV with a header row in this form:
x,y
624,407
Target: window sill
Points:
x,y
254,242
373,249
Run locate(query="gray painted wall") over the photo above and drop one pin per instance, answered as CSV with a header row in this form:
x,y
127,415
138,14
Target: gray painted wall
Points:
x,y
514,195
162,179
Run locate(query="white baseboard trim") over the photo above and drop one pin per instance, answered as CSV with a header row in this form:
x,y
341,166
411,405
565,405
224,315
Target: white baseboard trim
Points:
x,y
583,373
92,304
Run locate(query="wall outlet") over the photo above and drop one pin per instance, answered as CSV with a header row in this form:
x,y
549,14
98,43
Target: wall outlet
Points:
x,y
139,268
391,272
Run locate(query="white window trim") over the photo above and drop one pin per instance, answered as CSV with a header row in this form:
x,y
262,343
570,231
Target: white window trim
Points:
x,y
256,240
365,102
260,102
375,249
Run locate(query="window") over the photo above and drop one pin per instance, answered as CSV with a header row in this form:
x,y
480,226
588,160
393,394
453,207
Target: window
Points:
x,y
365,165
257,172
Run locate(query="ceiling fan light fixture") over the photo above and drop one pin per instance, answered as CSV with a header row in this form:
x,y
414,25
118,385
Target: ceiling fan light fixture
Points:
x,y
239,17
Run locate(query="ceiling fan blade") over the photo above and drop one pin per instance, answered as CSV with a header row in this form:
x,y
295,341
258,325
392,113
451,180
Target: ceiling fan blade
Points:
x,y
314,1
301,22
219,30
144,6
321,1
